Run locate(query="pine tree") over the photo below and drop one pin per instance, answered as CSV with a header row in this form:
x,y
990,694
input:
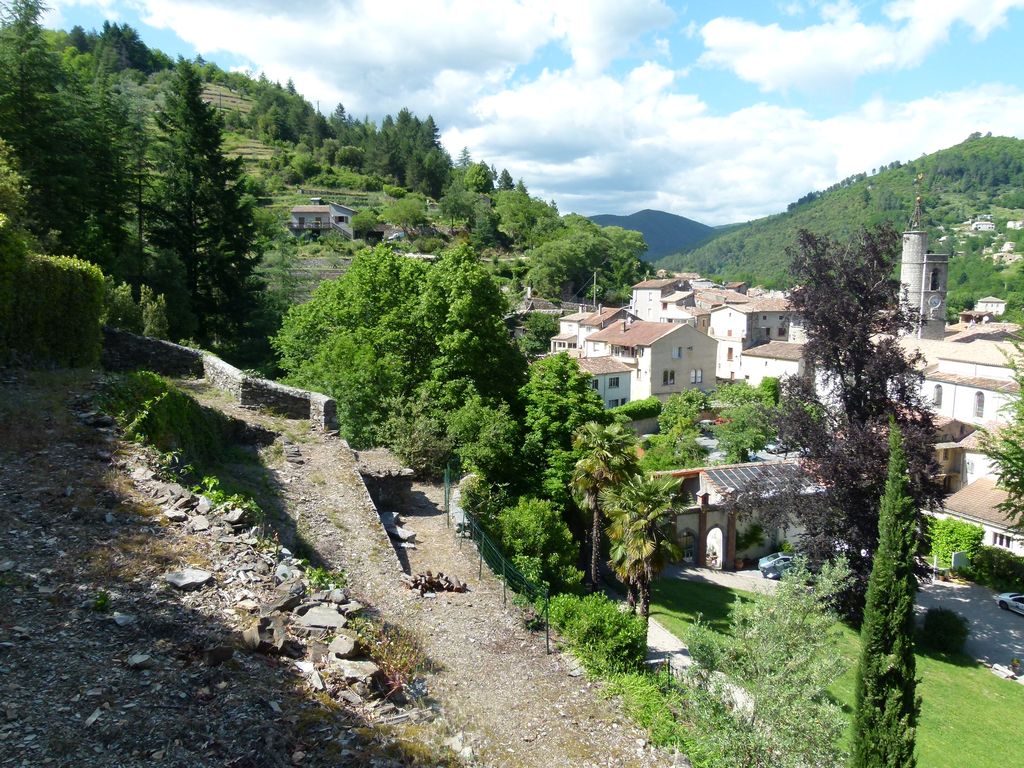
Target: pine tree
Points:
x,y
887,705
198,214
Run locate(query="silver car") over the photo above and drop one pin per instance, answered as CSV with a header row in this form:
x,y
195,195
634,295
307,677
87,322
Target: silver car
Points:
x,y
774,565
1011,601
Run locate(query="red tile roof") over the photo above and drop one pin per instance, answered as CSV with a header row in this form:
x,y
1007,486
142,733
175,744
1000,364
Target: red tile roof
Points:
x,y
777,350
596,366
979,501
639,333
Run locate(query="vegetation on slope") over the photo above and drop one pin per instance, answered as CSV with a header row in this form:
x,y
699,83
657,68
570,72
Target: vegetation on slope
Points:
x,y
983,175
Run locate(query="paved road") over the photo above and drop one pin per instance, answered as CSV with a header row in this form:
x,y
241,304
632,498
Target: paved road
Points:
x,y
996,635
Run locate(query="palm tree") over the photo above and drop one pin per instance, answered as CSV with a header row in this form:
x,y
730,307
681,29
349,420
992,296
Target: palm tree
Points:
x,y
641,542
607,457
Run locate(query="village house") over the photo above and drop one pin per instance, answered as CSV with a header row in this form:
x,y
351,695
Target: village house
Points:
x,y
665,358
738,327
649,297
610,378
991,304
319,217
774,359
574,329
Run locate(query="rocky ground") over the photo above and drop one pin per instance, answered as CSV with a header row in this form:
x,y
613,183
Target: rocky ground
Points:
x,y
140,625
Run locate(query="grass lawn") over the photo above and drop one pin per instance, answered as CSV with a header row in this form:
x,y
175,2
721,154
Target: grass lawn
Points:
x,y
969,717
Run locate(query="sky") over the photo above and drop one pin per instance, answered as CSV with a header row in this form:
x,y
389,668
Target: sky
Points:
x,y
719,111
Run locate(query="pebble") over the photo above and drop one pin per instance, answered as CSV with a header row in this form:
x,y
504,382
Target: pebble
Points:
x,y
188,578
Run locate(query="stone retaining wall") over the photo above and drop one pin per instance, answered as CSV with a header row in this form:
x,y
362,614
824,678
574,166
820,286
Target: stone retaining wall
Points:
x,y
123,351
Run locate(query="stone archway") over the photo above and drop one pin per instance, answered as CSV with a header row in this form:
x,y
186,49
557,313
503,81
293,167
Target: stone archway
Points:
x,y
715,548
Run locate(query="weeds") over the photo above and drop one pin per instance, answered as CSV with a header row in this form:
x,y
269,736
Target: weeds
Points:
x,y
101,603
396,650
323,578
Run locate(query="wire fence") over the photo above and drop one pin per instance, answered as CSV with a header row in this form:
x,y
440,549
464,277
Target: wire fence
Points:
x,y
512,579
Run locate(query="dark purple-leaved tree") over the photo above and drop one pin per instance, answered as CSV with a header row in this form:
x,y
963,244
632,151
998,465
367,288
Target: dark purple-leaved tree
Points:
x,y
848,298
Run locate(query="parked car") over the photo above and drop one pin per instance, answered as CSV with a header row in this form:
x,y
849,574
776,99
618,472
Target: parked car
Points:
x,y
774,565
1011,601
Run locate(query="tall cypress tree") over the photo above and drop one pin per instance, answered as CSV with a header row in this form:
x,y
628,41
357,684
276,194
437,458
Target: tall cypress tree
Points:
x,y
887,705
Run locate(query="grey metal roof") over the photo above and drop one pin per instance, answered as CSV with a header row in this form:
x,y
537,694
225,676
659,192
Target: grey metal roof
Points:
x,y
765,476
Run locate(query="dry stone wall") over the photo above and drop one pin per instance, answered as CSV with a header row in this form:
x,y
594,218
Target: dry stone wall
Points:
x,y
123,351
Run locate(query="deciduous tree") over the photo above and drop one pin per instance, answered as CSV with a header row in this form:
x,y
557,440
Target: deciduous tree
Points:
x,y
1006,447
849,300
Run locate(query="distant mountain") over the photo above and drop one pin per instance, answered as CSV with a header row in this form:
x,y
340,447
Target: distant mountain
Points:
x,y
665,233
983,175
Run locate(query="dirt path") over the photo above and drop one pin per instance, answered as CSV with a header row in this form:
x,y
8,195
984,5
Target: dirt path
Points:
x,y
512,703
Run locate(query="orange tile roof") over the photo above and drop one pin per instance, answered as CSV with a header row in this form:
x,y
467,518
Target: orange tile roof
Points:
x,y
596,366
639,333
979,501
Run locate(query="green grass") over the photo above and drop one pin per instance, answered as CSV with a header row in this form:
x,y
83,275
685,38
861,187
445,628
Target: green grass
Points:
x,y
969,717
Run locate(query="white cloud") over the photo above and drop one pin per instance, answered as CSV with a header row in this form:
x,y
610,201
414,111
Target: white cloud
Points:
x,y
842,47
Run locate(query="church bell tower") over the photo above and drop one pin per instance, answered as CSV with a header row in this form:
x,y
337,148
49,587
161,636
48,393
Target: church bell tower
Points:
x,y
924,276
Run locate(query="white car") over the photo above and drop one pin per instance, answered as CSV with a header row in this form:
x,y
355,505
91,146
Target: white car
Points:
x,y
1011,601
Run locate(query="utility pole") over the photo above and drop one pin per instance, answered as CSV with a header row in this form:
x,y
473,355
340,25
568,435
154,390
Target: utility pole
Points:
x,y
595,290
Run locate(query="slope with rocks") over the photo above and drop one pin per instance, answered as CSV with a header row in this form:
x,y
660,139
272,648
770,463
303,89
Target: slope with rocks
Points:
x,y
244,661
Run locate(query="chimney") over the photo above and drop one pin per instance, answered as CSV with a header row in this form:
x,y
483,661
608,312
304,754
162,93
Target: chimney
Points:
x,y
623,326
529,292
600,308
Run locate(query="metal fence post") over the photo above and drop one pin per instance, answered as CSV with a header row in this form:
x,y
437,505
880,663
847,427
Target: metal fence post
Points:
x,y
504,582
547,622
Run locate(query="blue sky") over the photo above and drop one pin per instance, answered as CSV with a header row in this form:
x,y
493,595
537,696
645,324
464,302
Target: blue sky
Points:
x,y
720,111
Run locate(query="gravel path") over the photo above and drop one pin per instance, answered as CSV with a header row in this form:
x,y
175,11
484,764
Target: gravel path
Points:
x,y
509,702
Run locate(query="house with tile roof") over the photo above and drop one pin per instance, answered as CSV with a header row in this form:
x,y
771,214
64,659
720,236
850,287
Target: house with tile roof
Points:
x,y
574,328
740,326
649,296
978,503
665,357
610,378
773,359
991,304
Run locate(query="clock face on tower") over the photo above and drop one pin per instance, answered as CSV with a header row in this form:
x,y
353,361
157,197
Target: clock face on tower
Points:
x,y
934,302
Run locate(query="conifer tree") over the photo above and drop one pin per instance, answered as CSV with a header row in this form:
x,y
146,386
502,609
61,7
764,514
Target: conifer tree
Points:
x,y
199,215
887,705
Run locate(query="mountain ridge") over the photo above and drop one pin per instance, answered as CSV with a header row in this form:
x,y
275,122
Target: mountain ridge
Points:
x,y
665,233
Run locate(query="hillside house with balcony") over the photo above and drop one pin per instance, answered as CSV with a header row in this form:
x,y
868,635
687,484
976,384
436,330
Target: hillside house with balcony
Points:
x,y
319,217
738,327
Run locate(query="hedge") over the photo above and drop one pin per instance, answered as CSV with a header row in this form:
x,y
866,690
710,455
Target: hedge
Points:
x,y
949,535
638,409
997,568
50,308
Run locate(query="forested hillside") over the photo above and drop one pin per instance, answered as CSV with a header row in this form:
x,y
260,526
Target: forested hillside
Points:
x,y
983,176
665,233
176,179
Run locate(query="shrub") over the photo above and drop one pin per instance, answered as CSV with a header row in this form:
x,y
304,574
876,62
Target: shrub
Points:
x,y
395,192
54,314
638,409
996,568
948,536
605,639
944,630
537,540
151,410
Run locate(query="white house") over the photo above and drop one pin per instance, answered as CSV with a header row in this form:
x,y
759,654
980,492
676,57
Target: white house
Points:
x,y
573,329
737,327
776,359
610,378
649,295
318,217
973,391
666,357
991,304
983,226
1015,225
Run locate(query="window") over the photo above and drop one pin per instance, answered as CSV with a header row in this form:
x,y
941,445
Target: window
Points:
x,y
668,378
613,382
782,331
700,375
979,405
729,332
934,282
937,395
693,376
728,354
594,384
677,353
687,543
1002,540
613,403
664,305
